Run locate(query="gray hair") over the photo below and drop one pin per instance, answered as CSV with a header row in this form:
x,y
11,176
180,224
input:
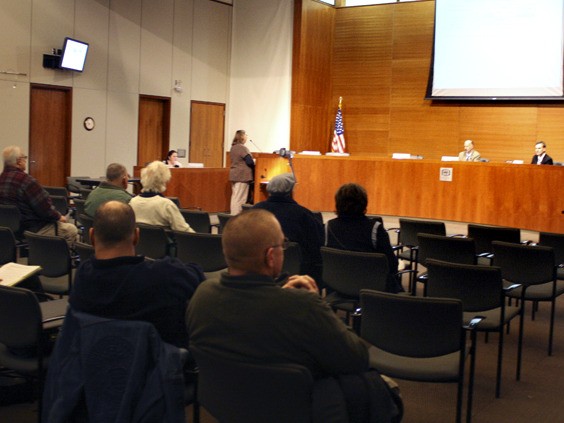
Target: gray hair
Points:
x,y
11,155
115,171
154,177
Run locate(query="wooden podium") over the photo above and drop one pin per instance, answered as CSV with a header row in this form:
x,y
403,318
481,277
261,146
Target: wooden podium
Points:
x,y
206,188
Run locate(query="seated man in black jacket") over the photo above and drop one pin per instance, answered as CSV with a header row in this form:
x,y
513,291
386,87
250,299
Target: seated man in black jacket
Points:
x,y
120,285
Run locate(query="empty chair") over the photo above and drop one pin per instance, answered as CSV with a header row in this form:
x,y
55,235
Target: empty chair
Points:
x,y
153,241
223,219
420,339
556,241
10,218
483,236
408,231
74,186
8,249
533,267
236,392
198,220
445,248
347,272
53,255
21,327
480,288
202,249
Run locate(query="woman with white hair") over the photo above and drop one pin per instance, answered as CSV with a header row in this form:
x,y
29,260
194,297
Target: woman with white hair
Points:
x,y
151,207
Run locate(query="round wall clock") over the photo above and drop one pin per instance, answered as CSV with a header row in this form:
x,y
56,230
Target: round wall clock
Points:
x,y
89,124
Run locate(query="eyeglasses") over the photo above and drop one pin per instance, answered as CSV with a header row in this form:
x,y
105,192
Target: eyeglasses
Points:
x,y
285,244
23,157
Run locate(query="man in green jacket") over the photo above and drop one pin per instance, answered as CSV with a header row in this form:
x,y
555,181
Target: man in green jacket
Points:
x,y
113,188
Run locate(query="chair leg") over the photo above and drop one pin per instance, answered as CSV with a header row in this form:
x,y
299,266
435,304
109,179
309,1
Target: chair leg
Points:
x,y
499,364
551,334
471,376
520,342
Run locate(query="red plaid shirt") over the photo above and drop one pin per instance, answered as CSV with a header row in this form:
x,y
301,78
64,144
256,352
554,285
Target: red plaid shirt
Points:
x,y
22,190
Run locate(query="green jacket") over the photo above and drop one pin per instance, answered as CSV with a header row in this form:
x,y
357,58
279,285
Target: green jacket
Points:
x,y
104,192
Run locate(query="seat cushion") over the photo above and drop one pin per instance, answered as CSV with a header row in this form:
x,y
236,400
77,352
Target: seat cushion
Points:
x,y
541,292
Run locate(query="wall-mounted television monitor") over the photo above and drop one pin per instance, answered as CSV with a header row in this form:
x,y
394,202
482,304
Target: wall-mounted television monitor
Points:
x,y
74,54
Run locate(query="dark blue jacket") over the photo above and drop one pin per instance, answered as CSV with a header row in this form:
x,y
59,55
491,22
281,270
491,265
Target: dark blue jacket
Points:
x,y
119,371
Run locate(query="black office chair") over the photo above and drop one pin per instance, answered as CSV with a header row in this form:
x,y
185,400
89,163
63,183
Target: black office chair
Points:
x,y
409,243
480,288
10,218
8,249
198,220
176,201
60,203
420,339
153,241
483,235
60,191
223,219
53,255
236,392
21,328
445,248
84,251
534,268
556,241
203,249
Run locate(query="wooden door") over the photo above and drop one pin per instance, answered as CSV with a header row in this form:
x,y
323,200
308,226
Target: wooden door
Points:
x,y
154,129
50,134
207,128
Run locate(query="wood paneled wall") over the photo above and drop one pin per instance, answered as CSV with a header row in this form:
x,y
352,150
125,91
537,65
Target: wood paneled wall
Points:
x,y
377,58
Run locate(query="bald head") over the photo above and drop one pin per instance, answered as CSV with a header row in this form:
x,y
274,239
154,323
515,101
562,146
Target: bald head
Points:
x,y
248,240
114,224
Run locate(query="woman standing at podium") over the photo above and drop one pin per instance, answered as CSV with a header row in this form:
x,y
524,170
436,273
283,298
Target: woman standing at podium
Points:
x,y
241,171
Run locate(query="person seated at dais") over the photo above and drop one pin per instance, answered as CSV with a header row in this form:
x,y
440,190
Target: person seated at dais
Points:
x,y
469,154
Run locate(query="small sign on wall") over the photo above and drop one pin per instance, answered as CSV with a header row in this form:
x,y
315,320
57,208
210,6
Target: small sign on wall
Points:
x,y
446,174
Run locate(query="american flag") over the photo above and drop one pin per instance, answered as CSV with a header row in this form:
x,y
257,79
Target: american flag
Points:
x,y
338,145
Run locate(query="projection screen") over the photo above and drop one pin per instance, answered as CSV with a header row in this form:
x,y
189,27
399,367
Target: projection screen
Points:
x,y
497,49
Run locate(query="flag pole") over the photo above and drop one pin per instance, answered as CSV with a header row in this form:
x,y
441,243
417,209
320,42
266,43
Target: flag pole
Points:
x,y
340,102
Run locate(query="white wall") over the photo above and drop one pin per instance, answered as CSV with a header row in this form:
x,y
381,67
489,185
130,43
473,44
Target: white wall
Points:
x,y
239,55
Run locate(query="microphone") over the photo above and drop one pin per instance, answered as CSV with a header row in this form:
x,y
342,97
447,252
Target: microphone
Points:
x,y
258,148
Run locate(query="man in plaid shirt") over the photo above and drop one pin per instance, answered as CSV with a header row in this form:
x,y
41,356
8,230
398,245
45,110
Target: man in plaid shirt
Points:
x,y
37,213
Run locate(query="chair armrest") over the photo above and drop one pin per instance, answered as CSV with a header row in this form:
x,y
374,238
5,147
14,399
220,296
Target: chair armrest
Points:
x,y
511,287
474,322
485,255
458,236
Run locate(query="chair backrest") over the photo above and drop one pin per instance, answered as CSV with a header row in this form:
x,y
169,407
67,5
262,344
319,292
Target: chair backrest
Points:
x,y
10,218
479,287
84,251
8,249
524,264
237,392
175,200
409,228
223,219
49,252
85,192
292,259
199,220
451,249
79,206
20,317
87,222
347,272
203,249
411,326
153,241
556,241
73,185
60,191
60,203
483,235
